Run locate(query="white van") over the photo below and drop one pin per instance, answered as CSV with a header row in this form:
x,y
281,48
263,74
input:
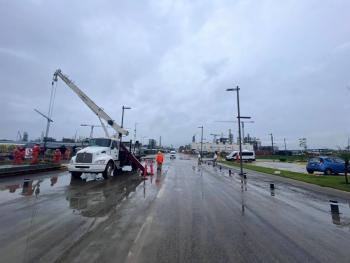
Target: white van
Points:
x,y
172,154
248,156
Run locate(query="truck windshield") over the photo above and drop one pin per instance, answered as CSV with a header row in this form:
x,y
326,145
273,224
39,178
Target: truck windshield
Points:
x,y
100,142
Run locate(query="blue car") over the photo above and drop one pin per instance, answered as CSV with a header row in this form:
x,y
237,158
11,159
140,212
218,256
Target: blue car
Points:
x,y
326,164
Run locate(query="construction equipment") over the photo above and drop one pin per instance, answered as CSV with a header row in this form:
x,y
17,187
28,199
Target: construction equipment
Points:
x,y
104,155
49,120
92,105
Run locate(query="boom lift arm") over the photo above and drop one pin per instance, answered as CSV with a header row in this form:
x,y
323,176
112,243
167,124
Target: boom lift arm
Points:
x,y
92,105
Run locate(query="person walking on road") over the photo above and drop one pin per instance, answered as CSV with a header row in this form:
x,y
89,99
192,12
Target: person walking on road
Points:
x,y
160,160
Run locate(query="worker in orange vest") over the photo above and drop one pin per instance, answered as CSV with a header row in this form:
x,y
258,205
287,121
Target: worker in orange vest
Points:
x,y
160,160
238,157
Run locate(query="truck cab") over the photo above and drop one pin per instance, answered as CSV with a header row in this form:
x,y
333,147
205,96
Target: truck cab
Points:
x,y
101,156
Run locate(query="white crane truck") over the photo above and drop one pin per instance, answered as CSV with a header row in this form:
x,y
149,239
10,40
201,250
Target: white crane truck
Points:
x,y
104,155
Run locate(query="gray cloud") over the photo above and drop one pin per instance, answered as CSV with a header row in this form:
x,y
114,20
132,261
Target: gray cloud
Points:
x,y
171,61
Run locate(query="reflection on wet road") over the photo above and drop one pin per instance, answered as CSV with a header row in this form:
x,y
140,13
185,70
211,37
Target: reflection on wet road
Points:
x,y
186,213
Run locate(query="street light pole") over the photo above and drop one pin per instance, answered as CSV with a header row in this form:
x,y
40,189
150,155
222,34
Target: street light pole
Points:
x,y
201,127
273,150
239,117
239,132
123,108
243,131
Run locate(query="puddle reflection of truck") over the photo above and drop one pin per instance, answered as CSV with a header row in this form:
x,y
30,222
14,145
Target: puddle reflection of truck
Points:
x,y
98,200
104,155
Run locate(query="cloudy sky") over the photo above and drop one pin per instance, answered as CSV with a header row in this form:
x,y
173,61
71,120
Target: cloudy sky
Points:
x,y
171,61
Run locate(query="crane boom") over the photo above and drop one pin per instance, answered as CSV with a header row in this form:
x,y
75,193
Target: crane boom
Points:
x,y
92,105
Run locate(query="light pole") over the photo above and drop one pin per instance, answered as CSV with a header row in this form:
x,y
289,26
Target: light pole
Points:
x,y
273,150
201,127
285,146
124,108
239,117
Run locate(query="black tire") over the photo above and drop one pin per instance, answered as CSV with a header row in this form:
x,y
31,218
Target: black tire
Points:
x,y
310,171
76,175
108,172
328,171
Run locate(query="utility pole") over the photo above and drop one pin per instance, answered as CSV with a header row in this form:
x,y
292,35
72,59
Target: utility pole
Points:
x,y
285,145
201,127
160,141
273,149
239,117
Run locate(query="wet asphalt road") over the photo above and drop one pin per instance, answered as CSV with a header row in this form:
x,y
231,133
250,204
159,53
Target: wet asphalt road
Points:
x,y
184,214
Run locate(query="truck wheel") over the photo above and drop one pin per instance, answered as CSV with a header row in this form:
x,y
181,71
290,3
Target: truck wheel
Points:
x,y
76,175
108,172
310,171
328,171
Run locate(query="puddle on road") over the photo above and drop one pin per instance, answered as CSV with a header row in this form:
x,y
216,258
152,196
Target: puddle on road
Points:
x,y
25,186
96,199
88,198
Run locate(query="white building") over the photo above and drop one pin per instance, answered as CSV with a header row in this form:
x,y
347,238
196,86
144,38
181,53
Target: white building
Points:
x,y
219,147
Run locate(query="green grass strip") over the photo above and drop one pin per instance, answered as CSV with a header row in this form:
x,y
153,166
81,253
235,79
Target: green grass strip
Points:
x,y
336,182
